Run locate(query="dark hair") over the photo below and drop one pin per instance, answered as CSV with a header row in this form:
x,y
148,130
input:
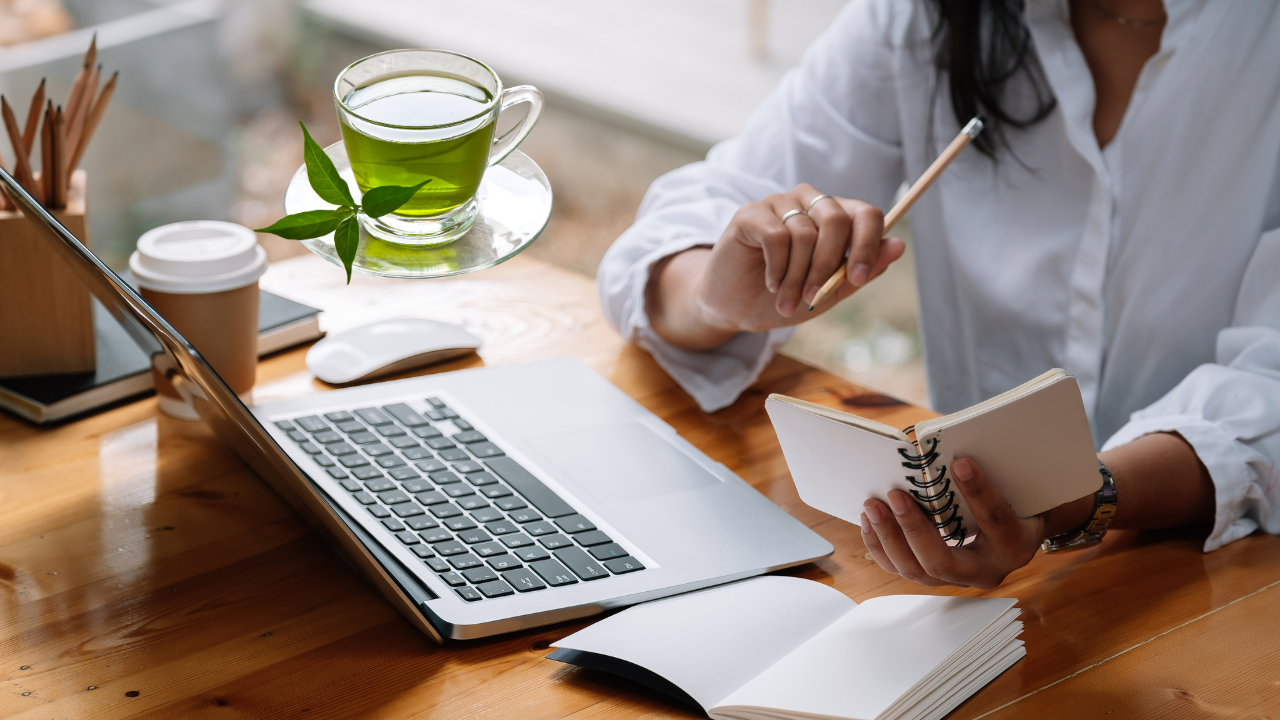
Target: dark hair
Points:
x,y
983,47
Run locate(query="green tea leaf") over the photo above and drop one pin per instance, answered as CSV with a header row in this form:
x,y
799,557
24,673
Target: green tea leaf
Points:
x,y
381,200
346,240
309,224
322,174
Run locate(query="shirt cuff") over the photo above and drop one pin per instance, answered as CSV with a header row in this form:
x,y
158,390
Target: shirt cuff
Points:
x,y
1235,493
713,378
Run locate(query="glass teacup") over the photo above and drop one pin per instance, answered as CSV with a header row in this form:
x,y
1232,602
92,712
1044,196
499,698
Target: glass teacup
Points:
x,y
414,115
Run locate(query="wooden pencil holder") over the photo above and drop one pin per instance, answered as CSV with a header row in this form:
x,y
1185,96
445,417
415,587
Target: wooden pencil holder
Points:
x,y
46,317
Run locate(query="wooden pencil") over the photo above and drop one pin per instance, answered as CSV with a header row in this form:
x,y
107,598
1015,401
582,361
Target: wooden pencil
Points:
x,y
75,123
967,134
22,164
82,78
59,157
95,115
33,119
46,155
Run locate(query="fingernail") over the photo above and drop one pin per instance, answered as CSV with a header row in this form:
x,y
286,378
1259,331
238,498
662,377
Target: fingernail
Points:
x,y
898,502
772,286
859,275
962,469
787,308
810,293
873,512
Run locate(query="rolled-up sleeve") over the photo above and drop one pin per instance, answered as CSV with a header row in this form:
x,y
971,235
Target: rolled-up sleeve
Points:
x,y
1229,411
832,122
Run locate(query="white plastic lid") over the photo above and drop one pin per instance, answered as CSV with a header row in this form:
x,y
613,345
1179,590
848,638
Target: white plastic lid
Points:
x,y
199,256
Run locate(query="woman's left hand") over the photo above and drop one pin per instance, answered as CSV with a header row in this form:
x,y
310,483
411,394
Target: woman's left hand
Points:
x,y
904,541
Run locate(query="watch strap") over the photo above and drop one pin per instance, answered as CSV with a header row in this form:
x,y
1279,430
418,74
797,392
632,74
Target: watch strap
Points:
x,y
1104,508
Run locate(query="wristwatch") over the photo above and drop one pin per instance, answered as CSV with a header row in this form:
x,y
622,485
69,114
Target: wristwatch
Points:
x,y
1104,507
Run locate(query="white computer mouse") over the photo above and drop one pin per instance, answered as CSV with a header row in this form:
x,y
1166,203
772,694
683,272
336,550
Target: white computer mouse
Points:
x,y
386,347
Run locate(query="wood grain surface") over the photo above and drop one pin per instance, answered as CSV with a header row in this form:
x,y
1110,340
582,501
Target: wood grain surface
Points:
x,y
145,572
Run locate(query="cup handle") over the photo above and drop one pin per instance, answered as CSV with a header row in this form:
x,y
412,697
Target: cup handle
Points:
x,y
504,144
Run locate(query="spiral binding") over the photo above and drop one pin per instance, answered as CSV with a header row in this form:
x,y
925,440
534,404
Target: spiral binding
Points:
x,y
935,495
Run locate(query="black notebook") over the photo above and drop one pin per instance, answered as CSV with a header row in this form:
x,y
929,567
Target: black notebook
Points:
x,y
123,371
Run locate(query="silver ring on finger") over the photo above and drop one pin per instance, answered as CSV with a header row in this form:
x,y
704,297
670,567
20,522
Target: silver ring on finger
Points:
x,y
792,213
815,201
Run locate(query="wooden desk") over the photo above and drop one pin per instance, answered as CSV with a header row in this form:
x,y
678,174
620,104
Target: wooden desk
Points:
x,y
145,572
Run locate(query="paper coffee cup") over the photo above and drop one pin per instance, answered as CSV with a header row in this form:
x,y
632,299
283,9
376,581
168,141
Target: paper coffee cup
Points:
x,y
202,277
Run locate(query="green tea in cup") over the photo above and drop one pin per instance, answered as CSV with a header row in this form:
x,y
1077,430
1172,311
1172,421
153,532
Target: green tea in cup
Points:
x,y
410,116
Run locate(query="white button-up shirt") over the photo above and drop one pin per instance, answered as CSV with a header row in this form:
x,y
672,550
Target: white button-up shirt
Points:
x,y
1149,269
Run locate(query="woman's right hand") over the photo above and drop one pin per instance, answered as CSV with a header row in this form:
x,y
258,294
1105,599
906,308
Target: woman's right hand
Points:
x,y
763,273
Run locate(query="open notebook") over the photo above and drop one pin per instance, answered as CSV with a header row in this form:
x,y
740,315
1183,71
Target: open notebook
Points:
x,y
1033,442
783,647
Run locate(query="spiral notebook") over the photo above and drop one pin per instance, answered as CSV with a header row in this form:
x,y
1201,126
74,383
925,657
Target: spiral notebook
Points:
x,y
1033,442
791,649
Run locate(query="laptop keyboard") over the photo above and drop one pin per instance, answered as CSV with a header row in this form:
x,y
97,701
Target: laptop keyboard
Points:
x,y
485,525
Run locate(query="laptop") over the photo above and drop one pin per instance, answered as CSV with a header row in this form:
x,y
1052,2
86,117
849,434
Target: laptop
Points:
x,y
481,501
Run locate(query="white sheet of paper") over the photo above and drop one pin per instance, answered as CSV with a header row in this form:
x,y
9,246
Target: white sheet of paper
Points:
x,y
712,641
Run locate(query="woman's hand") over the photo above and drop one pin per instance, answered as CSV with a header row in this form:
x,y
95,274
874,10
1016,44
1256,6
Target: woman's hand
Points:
x,y
762,273
903,541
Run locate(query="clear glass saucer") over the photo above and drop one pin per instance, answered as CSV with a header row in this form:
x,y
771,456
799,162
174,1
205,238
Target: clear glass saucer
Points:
x,y
515,203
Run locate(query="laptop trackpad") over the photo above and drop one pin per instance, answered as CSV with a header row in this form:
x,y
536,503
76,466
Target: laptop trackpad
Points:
x,y
622,462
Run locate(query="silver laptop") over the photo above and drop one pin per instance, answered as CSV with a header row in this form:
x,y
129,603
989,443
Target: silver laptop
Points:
x,y
482,501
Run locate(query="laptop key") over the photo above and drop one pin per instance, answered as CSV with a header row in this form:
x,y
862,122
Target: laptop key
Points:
x,y
608,552
406,510
421,522
493,492
459,490
485,450
621,565
452,579
525,516
488,549
390,430
523,580
378,511
448,413
351,486
435,415
436,402
575,524
402,443
407,538
328,436
324,461
462,424
479,479
452,455
419,453
367,472
494,589
471,436
377,450
461,522
415,486
284,425
553,573
423,551
438,565
394,497
297,436
439,443
530,487
364,437
594,537
516,541
481,574
551,542
390,461
445,510
502,527
436,536
312,424
340,449
373,416
539,528
429,466
404,414
310,448
510,503
471,537
378,485
365,498
531,553
580,563
433,497
487,515
472,503
393,525
504,562
462,562
404,473
339,416
351,426
469,466
468,593
340,474
444,477
448,548
427,432
353,461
